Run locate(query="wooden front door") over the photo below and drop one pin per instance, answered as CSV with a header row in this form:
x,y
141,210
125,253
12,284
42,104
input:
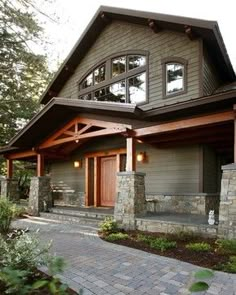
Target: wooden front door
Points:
x,y
108,181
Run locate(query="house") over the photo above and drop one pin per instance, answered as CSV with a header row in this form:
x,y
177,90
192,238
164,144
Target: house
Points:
x,y
139,117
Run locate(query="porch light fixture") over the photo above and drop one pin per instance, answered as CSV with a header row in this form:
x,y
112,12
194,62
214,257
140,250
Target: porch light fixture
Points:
x,y
141,157
77,164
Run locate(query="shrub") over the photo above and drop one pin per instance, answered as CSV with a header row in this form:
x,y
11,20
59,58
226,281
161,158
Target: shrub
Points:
x,y
108,226
199,247
162,244
7,212
24,252
117,236
227,246
230,266
144,238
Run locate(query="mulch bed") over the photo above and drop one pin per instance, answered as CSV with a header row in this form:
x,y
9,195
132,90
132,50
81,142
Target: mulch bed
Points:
x,y
209,259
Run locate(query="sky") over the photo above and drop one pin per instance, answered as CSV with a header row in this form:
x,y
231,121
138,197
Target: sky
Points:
x,y
75,15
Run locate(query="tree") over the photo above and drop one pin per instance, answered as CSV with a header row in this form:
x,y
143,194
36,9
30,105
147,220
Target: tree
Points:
x,y
24,73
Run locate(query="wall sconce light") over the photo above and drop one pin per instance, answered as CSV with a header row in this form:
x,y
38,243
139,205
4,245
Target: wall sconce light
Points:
x,y
141,156
77,164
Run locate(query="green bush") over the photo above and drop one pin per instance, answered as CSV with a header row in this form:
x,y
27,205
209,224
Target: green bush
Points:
x,y
117,236
23,252
7,213
227,246
162,244
144,238
199,247
108,226
230,266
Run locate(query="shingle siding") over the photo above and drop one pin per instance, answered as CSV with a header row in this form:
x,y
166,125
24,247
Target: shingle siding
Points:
x,y
120,36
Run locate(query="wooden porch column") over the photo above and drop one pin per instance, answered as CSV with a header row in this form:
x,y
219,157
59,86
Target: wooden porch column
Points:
x,y
131,154
40,165
9,168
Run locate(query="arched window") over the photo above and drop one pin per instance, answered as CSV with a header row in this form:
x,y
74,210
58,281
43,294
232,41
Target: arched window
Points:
x,y
121,78
174,76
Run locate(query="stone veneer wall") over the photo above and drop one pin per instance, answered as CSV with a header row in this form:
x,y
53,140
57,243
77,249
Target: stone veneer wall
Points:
x,y
68,198
227,213
40,195
184,203
9,189
130,199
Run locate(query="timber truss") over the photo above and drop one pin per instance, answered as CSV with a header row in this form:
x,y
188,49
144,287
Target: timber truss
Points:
x,y
80,129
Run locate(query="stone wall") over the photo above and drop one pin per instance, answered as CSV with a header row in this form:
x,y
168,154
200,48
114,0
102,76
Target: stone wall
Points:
x,y
186,203
9,189
227,213
68,198
40,195
130,199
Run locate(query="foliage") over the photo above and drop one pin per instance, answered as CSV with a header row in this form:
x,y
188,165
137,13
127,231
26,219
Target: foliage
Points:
x,y
24,73
199,287
23,252
230,266
199,247
184,235
227,246
162,244
204,274
117,236
108,226
7,212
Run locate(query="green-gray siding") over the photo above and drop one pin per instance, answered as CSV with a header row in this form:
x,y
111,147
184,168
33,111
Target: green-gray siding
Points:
x,y
120,36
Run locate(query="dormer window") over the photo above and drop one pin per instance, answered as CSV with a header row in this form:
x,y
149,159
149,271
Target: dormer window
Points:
x,y
174,76
120,78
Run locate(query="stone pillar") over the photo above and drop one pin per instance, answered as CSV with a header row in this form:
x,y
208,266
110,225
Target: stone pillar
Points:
x,y
9,189
227,212
40,196
130,198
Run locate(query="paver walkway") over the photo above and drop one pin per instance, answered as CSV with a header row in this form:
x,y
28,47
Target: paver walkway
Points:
x,y
99,267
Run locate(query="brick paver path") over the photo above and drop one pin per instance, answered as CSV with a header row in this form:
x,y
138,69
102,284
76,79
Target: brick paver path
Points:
x,y
99,267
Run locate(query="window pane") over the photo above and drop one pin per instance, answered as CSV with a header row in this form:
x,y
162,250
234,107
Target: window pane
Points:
x,y
118,66
137,88
87,82
174,78
135,61
99,74
113,93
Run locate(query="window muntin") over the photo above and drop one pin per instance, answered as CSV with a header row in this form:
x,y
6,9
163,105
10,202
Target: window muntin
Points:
x,y
137,88
99,74
114,93
87,82
174,78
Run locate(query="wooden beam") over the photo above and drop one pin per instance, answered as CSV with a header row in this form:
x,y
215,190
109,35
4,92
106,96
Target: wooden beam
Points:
x,y
131,154
106,153
40,165
9,168
235,140
21,155
189,32
118,163
185,124
153,25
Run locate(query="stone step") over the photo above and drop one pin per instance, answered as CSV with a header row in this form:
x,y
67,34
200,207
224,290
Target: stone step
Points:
x,y
82,213
71,218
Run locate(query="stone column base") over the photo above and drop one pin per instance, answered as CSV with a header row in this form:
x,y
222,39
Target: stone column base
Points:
x,y
40,196
9,189
227,212
130,199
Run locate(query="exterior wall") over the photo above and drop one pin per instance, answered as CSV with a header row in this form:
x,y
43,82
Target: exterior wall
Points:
x,y
121,36
211,80
172,170
68,182
210,170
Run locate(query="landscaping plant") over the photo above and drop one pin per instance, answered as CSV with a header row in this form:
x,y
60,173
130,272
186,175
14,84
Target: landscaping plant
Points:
x,y
116,237
227,246
108,226
198,247
7,213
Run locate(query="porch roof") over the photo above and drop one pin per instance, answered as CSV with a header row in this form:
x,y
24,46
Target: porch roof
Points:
x,y
60,111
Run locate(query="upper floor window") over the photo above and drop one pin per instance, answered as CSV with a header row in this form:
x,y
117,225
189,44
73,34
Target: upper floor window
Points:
x,y
174,76
120,79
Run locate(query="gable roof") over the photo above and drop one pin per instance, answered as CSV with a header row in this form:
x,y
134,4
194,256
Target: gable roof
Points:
x,y
208,30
